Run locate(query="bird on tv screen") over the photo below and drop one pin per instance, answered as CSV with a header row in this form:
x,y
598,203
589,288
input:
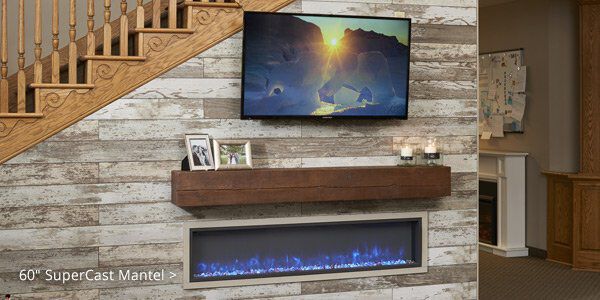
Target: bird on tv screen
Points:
x,y
297,65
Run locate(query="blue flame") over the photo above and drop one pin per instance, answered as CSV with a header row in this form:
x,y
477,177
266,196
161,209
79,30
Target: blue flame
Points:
x,y
368,258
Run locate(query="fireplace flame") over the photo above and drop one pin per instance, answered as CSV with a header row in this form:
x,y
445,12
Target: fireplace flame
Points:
x,y
257,265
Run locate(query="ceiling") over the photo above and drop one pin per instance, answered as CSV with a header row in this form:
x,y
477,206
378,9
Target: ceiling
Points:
x,y
484,3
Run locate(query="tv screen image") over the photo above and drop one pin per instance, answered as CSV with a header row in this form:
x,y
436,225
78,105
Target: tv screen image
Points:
x,y
297,65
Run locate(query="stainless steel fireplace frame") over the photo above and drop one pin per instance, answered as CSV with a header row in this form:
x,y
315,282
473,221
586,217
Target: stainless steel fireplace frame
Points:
x,y
189,226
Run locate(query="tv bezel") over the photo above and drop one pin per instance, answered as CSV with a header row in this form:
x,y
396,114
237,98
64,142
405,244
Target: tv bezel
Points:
x,y
243,115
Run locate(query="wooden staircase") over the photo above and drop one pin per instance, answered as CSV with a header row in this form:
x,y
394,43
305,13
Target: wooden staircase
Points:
x,y
108,63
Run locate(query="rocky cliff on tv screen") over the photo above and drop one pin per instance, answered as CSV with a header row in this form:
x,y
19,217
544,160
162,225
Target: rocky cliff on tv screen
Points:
x,y
324,66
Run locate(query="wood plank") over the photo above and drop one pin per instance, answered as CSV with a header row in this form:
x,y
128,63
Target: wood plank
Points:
x,y
453,255
81,131
104,151
80,294
382,294
453,236
138,171
308,185
73,258
420,14
132,255
277,163
131,109
443,90
192,68
46,174
222,67
442,108
222,108
453,218
161,212
176,129
441,291
179,88
457,201
443,34
443,71
443,52
48,216
85,194
320,147
373,128
458,3
435,275
458,162
90,236
176,291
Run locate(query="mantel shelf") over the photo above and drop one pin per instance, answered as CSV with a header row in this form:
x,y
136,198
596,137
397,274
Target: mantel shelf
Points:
x,y
238,187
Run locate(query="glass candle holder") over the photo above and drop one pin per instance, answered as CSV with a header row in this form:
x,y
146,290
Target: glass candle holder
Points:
x,y
408,155
432,155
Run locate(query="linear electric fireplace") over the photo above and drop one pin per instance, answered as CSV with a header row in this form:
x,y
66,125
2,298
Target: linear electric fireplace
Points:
x,y
260,251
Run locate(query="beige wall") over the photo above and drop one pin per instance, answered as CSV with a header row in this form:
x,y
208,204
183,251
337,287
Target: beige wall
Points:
x,y
547,30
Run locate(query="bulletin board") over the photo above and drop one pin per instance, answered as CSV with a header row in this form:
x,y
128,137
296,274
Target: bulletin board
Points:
x,y
502,97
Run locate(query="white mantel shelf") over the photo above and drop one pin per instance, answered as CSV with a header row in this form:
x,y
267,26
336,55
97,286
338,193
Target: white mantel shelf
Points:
x,y
508,170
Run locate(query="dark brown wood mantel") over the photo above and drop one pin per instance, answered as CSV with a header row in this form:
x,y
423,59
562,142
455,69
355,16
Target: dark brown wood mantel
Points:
x,y
236,187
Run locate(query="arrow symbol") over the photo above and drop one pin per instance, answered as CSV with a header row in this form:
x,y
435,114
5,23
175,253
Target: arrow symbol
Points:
x,y
172,275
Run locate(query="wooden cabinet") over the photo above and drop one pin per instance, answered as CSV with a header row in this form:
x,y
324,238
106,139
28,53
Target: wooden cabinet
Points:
x,y
574,199
560,218
586,222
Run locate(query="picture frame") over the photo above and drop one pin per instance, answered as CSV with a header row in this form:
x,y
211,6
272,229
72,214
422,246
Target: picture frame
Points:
x,y
199,152
232,154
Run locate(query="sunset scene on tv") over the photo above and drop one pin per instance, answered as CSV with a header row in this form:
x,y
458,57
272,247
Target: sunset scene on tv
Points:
x,y
307,65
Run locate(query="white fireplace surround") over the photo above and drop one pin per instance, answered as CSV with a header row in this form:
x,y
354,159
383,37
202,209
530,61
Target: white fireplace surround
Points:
x,y
507,169
188,284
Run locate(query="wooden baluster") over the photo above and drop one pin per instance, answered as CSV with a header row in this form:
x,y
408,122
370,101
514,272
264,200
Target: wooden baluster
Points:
x,y
172,13
72,44
107,29
21,80
156,13
37,65
55,42
91,37
124,35
140,16
4,81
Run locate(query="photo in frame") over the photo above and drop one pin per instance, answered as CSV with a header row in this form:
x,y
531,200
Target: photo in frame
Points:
x,y
199,152
232,154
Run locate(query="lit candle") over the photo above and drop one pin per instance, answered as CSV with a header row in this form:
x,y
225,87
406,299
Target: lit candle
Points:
x,y
431,149
406,151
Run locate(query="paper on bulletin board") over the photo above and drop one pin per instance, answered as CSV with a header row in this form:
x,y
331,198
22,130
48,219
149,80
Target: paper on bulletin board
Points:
x,y
518,107
520,80
497,125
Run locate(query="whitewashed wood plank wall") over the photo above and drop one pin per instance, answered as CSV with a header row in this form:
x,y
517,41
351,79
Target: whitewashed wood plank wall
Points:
x,y
97,194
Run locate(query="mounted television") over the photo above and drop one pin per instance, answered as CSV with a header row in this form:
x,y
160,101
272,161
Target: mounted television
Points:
x,y
323,66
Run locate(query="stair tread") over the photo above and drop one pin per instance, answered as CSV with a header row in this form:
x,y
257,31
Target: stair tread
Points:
x,y
212,4
162,30
21,115
61,86
112,57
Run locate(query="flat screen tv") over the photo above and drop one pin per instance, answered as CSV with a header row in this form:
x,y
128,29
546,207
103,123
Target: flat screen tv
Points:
x,y
324,66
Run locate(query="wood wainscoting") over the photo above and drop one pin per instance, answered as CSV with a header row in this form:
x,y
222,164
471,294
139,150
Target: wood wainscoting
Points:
x,y
560,218
586,222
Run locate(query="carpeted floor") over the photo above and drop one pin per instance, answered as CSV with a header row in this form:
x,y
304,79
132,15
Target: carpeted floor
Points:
x,y
533,278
